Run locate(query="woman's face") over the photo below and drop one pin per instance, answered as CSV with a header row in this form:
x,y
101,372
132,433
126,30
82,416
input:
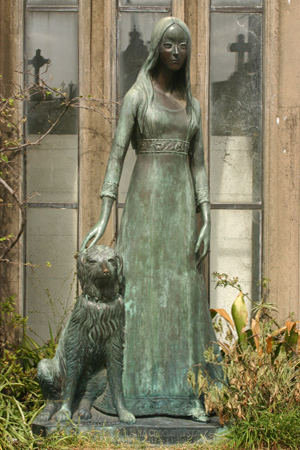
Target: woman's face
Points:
x,y
173,48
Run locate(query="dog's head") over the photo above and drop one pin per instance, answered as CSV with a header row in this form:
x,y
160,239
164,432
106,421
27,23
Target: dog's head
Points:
x,y
99,268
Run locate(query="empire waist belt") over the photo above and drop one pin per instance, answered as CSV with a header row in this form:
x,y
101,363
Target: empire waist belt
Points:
x,y
172,146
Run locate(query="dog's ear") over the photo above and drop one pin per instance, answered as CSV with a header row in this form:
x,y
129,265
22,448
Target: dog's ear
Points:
x,y
81,270
119,268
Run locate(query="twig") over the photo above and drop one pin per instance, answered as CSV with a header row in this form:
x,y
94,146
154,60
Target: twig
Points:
x,y
31,144
23,219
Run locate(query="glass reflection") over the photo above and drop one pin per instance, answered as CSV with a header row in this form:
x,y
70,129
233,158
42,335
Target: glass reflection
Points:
x,y
236,108
52,59
131,60
134,37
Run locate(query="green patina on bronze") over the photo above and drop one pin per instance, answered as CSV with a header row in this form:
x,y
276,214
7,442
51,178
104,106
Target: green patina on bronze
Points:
x,y
168,324
89,356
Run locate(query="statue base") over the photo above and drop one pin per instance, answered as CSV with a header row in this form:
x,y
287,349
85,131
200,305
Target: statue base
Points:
x,y
155,430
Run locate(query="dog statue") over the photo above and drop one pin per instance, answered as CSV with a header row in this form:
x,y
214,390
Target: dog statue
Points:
x,y
90,351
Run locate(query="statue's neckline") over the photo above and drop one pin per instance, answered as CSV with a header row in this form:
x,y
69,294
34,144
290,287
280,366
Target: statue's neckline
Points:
x,y
168,109
159,91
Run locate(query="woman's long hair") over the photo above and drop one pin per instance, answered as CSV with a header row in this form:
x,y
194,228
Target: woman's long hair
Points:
x,y
181,78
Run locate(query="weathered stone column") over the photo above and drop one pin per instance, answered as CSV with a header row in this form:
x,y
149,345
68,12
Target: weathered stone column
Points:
x,y
96,78
11,25
282,155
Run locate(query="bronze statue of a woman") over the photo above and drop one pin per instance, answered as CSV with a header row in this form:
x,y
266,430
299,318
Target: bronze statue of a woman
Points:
x,y
168,323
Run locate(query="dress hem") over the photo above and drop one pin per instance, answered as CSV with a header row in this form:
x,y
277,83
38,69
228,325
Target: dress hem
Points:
x,y
151,406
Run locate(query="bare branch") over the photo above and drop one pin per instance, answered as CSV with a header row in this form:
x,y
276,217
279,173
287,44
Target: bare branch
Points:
x,y
38,141
11,126
23,219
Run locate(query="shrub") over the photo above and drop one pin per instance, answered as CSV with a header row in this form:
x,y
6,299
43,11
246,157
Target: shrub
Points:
x,y
20,394
260,392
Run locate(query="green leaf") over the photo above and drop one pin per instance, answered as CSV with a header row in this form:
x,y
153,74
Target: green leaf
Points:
x,y
6,238
239,314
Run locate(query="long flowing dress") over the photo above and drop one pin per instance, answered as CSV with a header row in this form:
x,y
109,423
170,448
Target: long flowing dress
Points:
x,y
168,324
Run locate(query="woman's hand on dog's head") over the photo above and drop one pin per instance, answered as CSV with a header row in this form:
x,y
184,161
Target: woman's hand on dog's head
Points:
x,y
98,230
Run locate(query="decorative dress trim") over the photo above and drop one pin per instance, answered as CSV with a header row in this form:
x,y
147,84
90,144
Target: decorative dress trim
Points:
x,y
147,406
109,189
173,146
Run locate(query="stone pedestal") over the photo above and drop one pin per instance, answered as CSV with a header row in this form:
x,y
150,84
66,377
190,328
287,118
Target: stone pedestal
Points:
x,y
155,430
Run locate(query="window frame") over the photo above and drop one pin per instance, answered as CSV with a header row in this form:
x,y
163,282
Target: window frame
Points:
x,y
255,205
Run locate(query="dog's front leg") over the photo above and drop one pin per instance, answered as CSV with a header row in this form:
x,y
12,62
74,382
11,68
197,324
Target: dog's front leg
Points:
x,y
94,386
73,373
65,412
114,360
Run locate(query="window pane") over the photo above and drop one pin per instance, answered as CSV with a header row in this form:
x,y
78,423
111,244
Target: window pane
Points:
x,y
52,57
236,108
235,170
50,291
236,2
235,240
52,169
55,34
52,2
134,37
145,2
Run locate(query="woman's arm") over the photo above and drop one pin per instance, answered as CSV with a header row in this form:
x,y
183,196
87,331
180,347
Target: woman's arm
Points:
x,y
199,176
120,145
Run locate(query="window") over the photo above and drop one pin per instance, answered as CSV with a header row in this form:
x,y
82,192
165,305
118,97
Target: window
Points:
x,y
235,157
51,169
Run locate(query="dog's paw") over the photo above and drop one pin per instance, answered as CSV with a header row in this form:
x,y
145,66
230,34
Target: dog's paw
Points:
x,y
63,415
127,417
47,413
44,416
84,414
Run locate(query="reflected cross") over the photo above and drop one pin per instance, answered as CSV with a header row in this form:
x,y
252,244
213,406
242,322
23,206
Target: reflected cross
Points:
x,y
38,61
240,47
71,92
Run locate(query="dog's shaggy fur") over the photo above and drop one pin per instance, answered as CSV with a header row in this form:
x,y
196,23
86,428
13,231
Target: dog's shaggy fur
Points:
x,y
90,350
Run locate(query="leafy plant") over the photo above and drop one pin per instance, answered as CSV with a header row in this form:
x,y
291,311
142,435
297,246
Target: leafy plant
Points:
x,y
20,394
21,398
260,392
20,401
